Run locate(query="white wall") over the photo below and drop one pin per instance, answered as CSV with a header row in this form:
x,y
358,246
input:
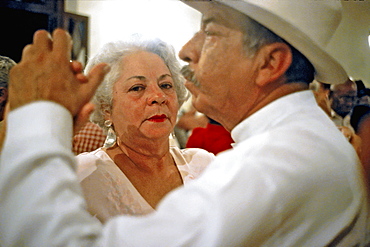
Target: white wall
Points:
x,y
175,23
170,20
350,43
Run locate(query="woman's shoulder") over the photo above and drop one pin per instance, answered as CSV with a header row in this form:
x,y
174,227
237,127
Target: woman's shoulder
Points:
x,y
193,156
196,152
87,157
87,162
191,162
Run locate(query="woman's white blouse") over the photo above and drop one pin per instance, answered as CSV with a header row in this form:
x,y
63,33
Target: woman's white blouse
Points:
x,y
109,192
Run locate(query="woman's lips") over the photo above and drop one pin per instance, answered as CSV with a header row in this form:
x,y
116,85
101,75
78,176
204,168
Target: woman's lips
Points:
x,y
158,118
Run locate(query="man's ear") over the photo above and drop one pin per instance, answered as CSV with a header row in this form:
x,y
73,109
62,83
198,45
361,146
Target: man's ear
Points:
x,y
275,59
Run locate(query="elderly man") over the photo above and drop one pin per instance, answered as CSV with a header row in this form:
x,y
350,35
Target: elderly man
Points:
x,y
292,179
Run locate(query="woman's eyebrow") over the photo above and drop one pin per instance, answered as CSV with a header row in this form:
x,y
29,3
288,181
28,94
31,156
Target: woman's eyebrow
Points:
x,y
140,77
164,76
143,78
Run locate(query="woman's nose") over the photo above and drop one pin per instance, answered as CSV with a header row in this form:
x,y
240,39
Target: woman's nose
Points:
x,y
156,96
191,50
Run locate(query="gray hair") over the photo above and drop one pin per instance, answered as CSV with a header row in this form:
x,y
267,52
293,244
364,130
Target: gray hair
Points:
x,y
113,53
257,35
5,65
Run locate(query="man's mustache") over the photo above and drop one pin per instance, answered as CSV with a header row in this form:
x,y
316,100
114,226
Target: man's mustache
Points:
x,y
189,75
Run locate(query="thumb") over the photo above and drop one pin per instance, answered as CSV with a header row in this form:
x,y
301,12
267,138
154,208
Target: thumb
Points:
x,y
83,117
96,76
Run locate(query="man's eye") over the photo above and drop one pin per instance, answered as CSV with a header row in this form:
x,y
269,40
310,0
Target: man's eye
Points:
x,y
209,33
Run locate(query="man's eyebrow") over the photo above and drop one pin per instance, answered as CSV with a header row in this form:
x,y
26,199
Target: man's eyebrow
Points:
x,y
208,20
215,18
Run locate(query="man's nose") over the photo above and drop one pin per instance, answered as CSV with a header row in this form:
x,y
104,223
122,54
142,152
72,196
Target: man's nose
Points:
x,y
190,52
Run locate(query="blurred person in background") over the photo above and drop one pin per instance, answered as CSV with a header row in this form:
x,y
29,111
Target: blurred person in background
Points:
x,y
291,179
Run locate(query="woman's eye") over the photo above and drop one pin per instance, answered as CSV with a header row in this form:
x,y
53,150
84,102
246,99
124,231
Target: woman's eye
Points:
x,y
166,85
136,88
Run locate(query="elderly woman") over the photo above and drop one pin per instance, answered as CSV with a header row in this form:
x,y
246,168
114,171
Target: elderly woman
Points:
x,y
137,105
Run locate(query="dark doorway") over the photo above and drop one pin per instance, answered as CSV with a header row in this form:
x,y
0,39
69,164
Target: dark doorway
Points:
x,y
17,30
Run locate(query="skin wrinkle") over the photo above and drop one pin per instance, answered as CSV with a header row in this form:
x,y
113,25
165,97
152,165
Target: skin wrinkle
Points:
x,y
250,75
145,88
150,100
228,47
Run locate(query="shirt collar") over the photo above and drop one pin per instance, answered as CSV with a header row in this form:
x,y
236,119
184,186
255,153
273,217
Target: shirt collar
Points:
x,y
272,114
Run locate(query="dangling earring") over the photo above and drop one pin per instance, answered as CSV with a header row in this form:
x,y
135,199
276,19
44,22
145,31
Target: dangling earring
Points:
x,y
111,135
173,140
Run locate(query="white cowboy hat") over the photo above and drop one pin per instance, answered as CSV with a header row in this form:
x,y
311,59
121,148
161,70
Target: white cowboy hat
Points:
x,y
308,25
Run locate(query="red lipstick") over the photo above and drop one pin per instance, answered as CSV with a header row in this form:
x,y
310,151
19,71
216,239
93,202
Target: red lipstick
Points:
x,y
158,118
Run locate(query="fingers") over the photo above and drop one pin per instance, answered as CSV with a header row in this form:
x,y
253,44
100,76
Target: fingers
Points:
x,y
42,40
62,44
95,77
97,74
27,50
46,73
78,71
76,66
83,117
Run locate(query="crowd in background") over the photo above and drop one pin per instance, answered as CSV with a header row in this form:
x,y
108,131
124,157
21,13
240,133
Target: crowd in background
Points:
x,y
271,149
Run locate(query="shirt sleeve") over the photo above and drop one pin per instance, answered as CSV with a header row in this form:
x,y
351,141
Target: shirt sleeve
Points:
x,y
41,201
243,199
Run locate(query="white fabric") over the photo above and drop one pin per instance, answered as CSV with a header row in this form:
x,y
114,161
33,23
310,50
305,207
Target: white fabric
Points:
x,y
308,25
292,179
109,192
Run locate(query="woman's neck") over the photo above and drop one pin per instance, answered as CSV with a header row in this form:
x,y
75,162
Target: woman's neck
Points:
x,y
149,155
152,171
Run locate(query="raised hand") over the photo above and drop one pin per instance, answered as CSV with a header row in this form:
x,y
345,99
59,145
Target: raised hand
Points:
x,y
46,73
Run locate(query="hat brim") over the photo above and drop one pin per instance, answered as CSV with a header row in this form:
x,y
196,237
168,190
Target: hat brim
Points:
x,y
328,70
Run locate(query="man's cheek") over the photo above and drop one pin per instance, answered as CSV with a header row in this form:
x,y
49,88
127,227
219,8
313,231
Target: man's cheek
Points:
x,y
192,88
